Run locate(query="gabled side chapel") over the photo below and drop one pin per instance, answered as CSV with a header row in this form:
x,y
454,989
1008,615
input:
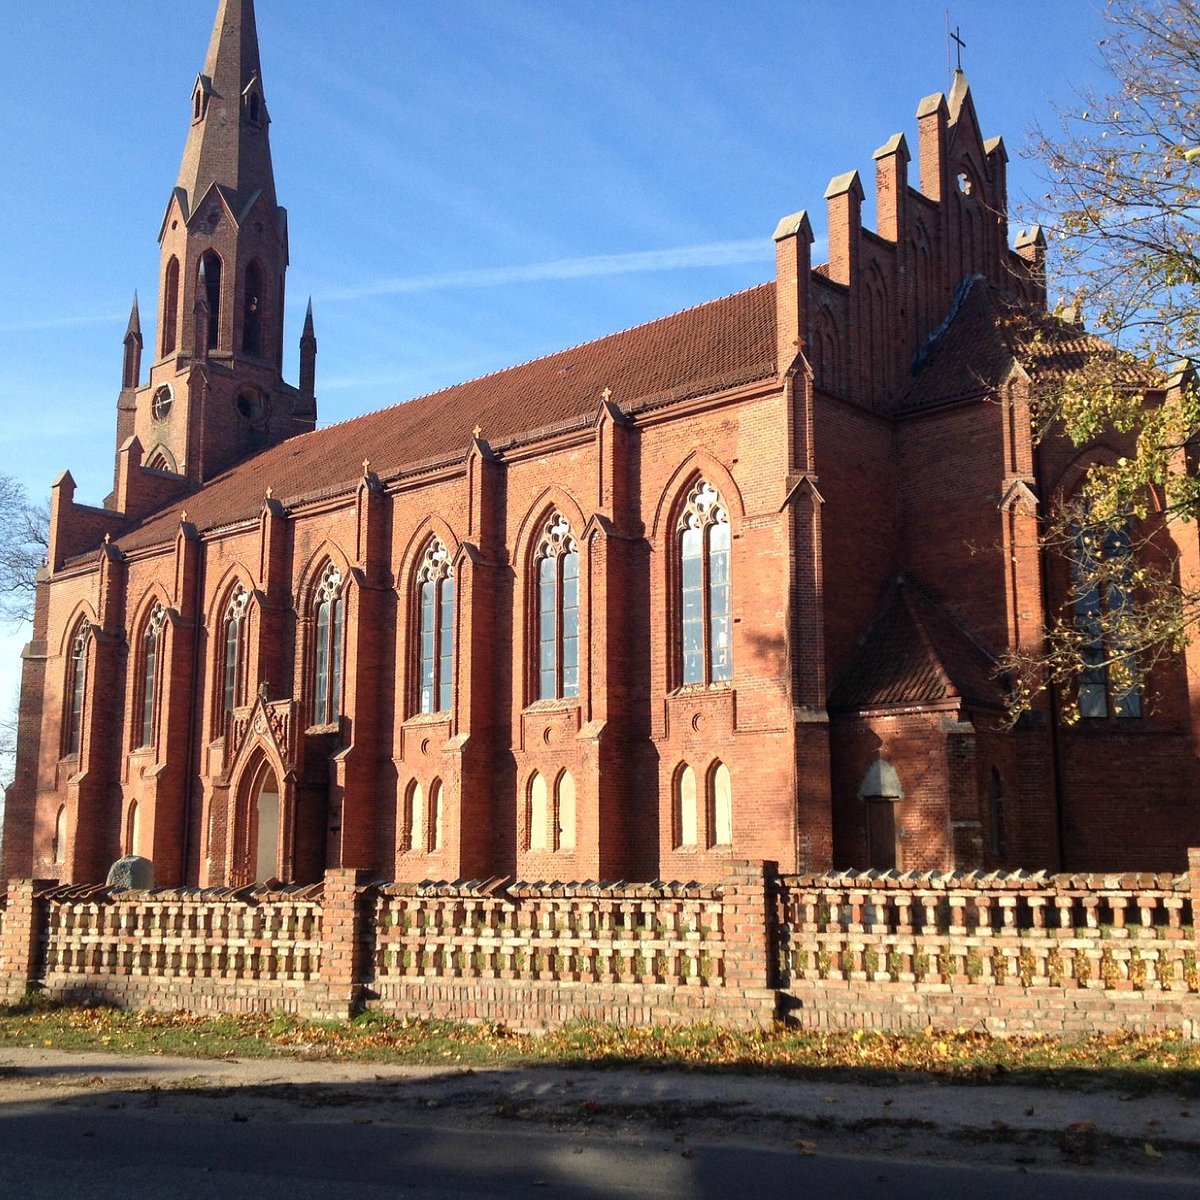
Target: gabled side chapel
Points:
x,y
731,584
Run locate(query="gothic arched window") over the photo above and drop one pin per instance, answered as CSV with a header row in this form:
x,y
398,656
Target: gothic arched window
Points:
x,y
436,815
414,819
706,615
150,676
329,620
233,650
76,687
539,812
557,566
687,823
1109,683
252,302
435,651
170,317
210,281
565,812
720,805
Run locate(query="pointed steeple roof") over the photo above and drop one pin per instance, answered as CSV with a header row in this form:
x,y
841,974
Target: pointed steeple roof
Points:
x,y
134,328
228,143
308,331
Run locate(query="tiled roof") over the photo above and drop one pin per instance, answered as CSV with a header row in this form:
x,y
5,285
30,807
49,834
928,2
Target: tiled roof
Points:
x,y
915,653
973,349
717,345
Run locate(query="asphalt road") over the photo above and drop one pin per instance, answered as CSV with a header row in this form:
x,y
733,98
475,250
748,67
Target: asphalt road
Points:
x,y
96,1126
102,1155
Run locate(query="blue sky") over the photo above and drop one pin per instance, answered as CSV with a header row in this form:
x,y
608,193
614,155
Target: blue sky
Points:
x,y
469,184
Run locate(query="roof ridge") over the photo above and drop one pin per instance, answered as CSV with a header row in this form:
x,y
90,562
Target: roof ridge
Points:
x,y
529,362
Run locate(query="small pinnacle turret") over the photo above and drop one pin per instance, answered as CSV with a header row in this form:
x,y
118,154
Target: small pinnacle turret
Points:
x,y
132,367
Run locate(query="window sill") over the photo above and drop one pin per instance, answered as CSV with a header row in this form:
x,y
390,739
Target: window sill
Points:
x,y
433,718
703,689
559,704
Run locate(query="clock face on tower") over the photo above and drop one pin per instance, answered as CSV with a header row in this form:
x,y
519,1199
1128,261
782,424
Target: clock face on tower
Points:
x,y
160,406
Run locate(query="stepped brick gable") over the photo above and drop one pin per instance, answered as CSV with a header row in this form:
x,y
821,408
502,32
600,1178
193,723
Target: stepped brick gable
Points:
x,y
731,586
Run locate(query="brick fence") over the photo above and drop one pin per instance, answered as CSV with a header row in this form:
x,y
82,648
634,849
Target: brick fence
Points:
x,y
1007,952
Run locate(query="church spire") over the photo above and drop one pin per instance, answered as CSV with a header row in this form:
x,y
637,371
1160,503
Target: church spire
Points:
x,y
228,141
131,369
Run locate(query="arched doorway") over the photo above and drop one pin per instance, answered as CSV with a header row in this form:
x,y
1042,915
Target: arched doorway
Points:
x,y
266,827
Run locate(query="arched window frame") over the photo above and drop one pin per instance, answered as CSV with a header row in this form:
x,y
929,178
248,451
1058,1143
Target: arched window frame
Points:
x,y
566,813
132,828
209,273
720,806
686,809
704,628
58,845
232,652
537,825
1109,685
75,691
556,591
170,317
253,313
435,625
996,815
437,816
148,697
329,636
413,829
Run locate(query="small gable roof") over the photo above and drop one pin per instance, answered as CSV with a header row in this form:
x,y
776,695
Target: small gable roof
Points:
x,y
915,653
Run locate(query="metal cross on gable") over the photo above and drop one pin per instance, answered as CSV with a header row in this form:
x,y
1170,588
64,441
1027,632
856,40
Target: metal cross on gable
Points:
x,y
957,38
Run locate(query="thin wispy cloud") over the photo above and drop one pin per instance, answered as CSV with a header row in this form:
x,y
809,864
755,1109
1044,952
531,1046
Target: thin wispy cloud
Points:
x,y
678,258
68,322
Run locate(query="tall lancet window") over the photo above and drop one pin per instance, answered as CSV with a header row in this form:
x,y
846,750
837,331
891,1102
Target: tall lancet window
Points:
x,y
210,280
76,687
233,640
150,678
557,565
327,657
706,613
170,317
252,301
435,597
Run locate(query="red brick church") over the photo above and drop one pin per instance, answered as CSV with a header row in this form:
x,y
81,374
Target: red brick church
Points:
x,y
732,584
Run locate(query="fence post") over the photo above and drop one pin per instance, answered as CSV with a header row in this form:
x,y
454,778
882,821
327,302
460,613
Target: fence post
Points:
x,y
749,923
343,957
18,944
1194,880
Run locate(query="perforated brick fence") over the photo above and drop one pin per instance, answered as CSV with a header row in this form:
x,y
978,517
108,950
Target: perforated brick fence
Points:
x,y
1060,954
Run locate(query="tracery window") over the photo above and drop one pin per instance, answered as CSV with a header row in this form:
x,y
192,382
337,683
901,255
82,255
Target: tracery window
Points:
x,y
435,596
706,617
330,619
150,678
76,688
1109,683
233,642
557,566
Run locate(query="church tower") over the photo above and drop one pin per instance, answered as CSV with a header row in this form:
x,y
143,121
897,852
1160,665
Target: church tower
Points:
x,y
216,393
